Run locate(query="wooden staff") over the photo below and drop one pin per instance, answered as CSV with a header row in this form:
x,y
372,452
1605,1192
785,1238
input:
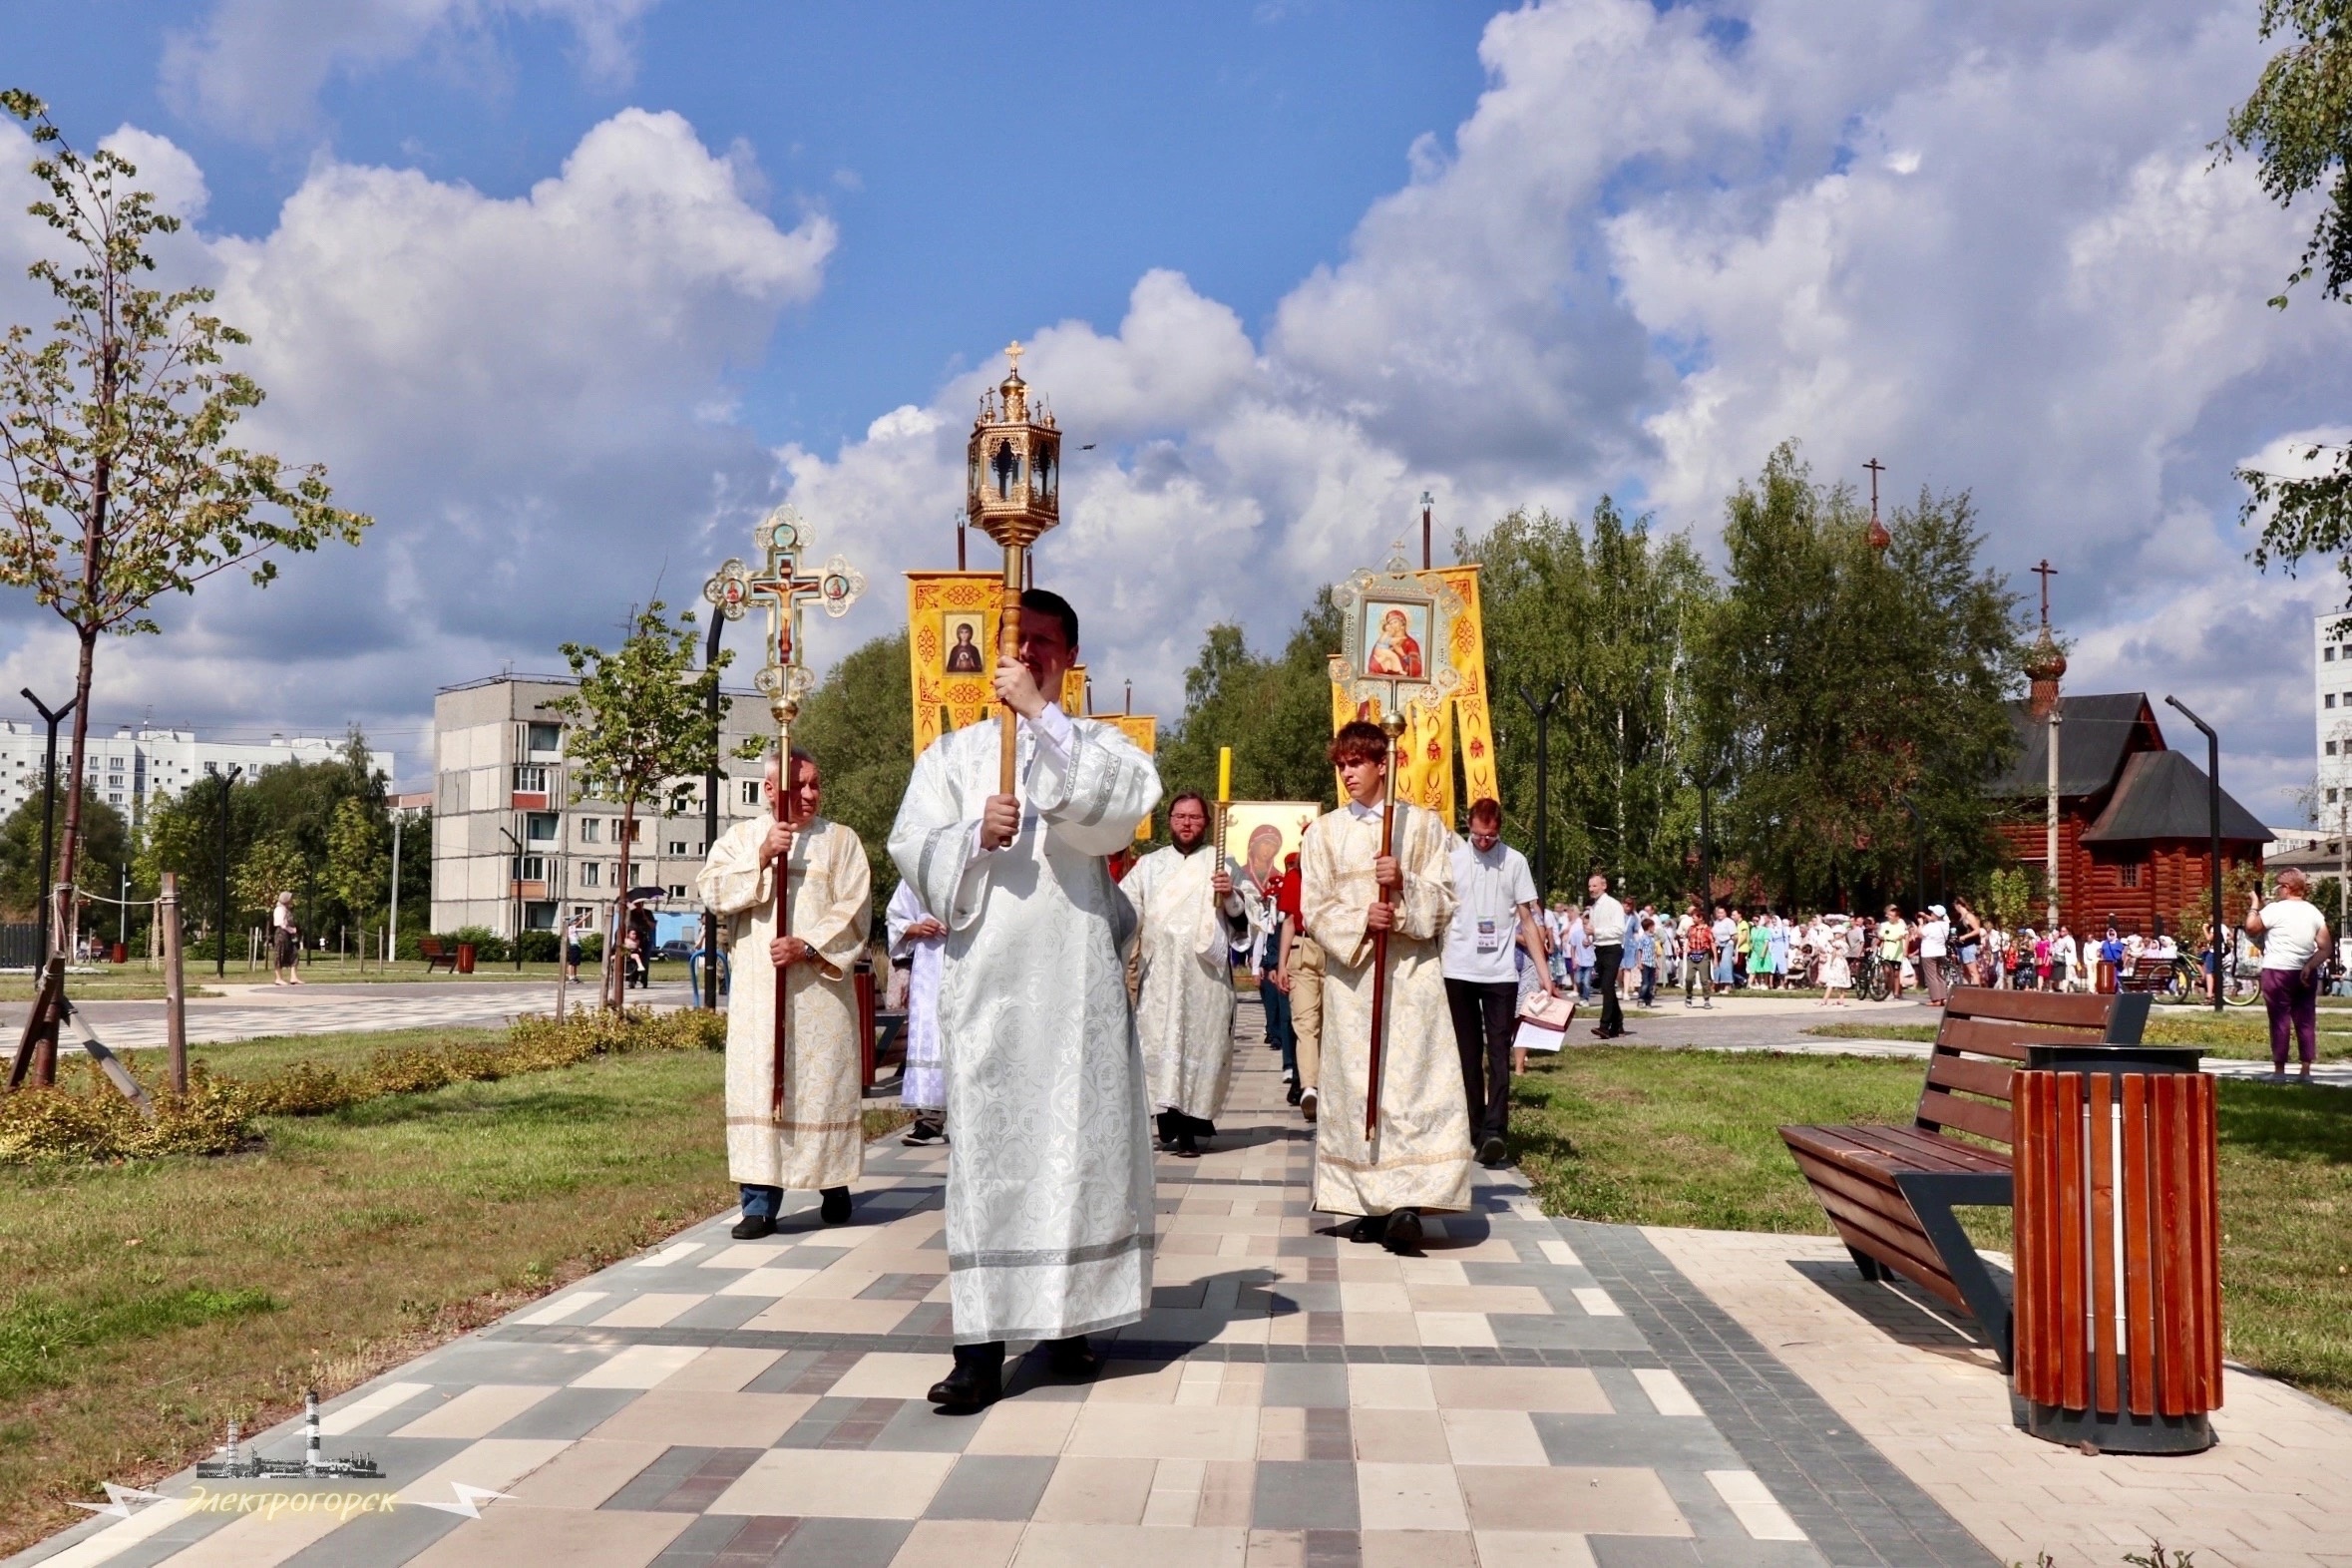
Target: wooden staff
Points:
x,y
783,865
1393,725
1009,646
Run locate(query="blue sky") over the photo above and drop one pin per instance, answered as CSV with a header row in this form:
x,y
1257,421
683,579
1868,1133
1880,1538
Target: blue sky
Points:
x,y
568,292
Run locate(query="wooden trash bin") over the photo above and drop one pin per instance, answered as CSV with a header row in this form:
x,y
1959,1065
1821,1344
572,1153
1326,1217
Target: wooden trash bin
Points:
x,y
2119,1248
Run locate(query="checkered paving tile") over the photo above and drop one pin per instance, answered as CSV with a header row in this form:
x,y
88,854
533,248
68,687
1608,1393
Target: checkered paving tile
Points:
x,y
1290,1401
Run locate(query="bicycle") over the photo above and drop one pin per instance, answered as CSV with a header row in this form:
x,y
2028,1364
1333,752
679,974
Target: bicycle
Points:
x,y
2241,986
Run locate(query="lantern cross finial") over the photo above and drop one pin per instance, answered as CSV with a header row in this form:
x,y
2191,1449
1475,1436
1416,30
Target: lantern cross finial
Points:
x,y
1013,351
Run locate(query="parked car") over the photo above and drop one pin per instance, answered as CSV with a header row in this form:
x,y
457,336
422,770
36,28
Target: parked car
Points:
x,y
678,948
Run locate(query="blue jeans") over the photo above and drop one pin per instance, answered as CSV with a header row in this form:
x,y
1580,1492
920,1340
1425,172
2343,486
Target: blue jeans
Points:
x,y
1279,1031
1649,988
1584,982
761,1203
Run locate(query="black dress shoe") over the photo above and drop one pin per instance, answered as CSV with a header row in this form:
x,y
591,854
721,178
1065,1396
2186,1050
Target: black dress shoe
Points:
x,y
1073,1358
1295,1091
1186,1147
1493,1152
836,1207
924,1131
967,1388
1404,1234
752,1227
1371,1228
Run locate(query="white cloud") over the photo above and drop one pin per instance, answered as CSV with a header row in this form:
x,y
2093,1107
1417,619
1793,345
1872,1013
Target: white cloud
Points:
x,y
527,394
256,66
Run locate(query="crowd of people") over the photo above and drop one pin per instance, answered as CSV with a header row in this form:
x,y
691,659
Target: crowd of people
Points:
x,y
1069,1007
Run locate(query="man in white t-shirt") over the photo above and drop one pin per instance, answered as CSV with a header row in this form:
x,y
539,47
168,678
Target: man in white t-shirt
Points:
x,y
1494,912
2294,948
1935,940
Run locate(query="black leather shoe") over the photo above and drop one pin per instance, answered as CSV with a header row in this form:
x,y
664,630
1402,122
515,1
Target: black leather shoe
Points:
x,y
836,1207
967,1389
752,1227
1295,1091
1073,1358
1404,1234
1371,1228
1493,1152
924,1131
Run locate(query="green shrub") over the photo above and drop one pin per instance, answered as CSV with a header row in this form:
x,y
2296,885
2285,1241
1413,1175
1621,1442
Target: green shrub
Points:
x,y
94,1122
538,947
489,946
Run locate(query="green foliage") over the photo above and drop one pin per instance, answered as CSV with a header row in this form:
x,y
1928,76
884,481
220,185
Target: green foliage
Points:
x,y
117,479
1611,616
271,867
105,843
216,1116
1274,710
2015,895
2297,124
358,858
41,1336
1834,684
854,725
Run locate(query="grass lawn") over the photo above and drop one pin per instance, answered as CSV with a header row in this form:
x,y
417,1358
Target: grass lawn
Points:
x,y
2240,1034
125,984
1685,1138
142,1305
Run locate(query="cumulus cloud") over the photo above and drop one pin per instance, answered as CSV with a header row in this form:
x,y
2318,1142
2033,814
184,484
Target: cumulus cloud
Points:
x,y
255,67
527,394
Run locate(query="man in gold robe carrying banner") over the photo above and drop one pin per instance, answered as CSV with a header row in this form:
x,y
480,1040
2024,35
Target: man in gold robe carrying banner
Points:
x,y
811,1136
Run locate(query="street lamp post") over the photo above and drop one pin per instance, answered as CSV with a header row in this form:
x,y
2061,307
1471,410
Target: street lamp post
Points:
x,y
220,953
1705,874
48,811
2214,827
710,794
1918,853
515,887
1543,786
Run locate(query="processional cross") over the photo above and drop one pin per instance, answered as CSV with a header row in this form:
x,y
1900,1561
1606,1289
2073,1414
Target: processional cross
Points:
x,y
783,538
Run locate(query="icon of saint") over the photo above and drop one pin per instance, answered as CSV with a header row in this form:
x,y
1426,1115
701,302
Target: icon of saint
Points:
x,y
1395,653
964,657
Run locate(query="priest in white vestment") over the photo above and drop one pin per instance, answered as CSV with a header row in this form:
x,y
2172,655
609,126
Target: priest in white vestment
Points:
x,y
813,1137
1191,915
920,941
1425,1153
1049,1185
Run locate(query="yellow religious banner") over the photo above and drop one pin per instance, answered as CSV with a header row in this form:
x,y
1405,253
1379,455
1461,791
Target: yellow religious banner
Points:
x,y
1429,647
952,621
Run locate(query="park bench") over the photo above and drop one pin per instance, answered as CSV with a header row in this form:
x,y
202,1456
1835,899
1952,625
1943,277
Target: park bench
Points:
x,y
1890,1191
435,952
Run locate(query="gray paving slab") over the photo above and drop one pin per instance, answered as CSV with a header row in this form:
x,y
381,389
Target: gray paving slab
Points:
x,y
1305,1494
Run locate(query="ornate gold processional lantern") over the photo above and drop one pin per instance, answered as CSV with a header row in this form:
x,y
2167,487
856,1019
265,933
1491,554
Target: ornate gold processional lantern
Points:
x,y
1013,494
783,540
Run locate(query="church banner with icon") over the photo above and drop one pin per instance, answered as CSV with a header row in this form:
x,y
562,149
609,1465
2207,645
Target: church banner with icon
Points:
x,y
1428,640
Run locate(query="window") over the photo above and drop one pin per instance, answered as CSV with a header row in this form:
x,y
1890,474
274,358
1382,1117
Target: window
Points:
x,y
678,889
531,779
114,764
2128,876
2328,701
115,798
636,831
591,874
545,737
2331,797
752,787
2331,748
677,846
539,827
529,868
2327,656
590,828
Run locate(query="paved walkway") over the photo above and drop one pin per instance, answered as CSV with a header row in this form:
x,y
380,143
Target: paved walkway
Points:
x,y
252,1012
1532,1393
1516,1398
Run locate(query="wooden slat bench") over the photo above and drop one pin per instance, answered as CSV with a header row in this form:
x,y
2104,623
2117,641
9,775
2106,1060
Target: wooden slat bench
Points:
x,y
435,952
1890,1191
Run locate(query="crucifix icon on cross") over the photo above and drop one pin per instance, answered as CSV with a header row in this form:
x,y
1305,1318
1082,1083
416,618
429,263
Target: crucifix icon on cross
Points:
x,y
783,540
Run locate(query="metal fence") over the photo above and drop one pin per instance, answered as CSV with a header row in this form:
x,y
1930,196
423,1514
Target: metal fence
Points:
x,y
20,945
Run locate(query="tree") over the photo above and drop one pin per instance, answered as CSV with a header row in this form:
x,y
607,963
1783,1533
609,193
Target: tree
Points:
x,y
850,724
1274,711
1836,687
642,729
2297,124
120,483
105,844
1611,616
358,858
271,866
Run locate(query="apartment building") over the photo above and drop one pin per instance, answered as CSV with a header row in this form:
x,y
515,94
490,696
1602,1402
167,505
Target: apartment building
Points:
x,y
512,848
2331,709
131,768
